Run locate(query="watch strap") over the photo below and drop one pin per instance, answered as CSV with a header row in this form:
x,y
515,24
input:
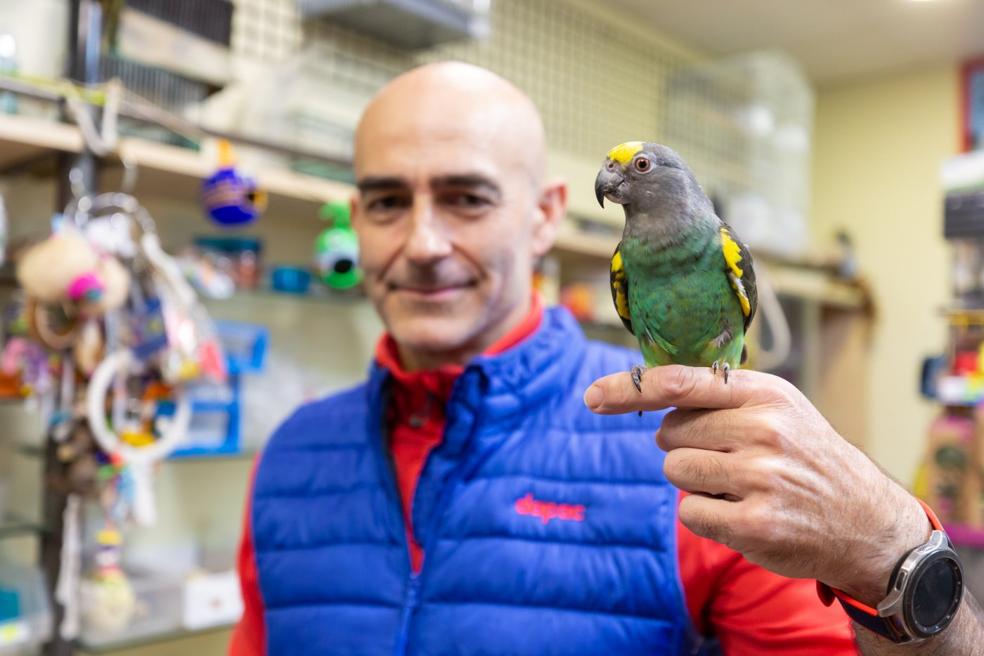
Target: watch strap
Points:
x,y
864,614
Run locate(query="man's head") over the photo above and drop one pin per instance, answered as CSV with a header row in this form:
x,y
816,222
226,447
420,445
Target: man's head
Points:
x,y
452,209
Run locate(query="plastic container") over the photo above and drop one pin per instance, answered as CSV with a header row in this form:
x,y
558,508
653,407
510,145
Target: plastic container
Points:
x,y
745,126
291,279
25,616
157,610
241,257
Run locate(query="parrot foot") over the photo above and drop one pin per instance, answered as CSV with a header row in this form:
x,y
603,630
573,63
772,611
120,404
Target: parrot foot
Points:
x,y
725,368
637,372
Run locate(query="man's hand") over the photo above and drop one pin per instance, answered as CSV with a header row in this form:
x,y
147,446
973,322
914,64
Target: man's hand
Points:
x,y
770,478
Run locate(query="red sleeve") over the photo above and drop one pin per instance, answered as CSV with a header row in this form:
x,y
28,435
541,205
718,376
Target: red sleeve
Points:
x,y
753,611
249,636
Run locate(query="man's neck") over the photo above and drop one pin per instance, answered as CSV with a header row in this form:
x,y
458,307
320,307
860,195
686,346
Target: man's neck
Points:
x,y
418,360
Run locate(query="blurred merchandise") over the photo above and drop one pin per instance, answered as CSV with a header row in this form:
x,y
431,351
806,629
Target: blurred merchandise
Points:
x,y
149,604
31,25
187,37
336,250
290,279
25,612
415,24
745,125
289,102
579,299
231,198
238,257
949,477
8,66
211,599
216,407
546,279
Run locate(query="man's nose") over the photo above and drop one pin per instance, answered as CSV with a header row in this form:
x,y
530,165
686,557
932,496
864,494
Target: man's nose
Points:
x,y
428,239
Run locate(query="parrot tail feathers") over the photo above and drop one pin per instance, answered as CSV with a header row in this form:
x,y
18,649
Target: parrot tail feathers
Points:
x,y
656,340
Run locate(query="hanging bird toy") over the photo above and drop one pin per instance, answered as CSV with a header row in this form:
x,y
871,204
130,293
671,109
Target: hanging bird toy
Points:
x,y
230,197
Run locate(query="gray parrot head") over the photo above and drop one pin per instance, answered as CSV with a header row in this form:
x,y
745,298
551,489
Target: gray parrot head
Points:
x,y
653,184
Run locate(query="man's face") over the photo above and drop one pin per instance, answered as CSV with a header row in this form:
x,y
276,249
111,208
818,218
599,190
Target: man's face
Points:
x,y
446,217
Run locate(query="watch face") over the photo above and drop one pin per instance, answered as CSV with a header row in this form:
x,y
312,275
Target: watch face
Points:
x,y
936,590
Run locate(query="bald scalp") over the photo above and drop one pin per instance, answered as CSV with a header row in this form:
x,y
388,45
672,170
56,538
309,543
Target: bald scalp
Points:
x,y
451,99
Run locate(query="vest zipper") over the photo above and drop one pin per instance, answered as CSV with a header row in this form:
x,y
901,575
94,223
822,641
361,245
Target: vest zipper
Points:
x,y
413,591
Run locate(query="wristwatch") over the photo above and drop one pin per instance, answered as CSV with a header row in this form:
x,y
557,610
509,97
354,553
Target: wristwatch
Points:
x,y
924,592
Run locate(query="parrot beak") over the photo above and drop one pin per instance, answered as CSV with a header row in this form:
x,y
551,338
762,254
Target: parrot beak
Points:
x,y
607,182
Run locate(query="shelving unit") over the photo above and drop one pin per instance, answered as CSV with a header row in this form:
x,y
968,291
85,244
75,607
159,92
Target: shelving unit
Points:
x,y
145,641
179,171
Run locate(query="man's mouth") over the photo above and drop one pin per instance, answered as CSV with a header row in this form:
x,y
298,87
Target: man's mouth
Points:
x,y
432,293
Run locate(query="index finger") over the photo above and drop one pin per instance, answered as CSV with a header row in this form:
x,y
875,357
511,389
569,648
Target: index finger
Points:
x,y
674,386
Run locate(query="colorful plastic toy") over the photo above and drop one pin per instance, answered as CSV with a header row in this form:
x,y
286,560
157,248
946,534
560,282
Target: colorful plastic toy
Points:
x,y
231,198
337,249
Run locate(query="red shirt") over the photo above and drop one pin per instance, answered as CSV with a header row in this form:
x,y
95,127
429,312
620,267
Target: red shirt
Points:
x,y
750,609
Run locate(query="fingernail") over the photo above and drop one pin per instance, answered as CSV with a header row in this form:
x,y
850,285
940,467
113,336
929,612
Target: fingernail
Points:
x,y
594,397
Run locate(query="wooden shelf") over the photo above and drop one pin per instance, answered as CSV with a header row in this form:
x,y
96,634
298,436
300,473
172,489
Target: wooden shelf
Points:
x,y
174,171
135,642
163,168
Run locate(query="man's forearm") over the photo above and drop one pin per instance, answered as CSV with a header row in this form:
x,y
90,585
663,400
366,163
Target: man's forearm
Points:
x,y
964,637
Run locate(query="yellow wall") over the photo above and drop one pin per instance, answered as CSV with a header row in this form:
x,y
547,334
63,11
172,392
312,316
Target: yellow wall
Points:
x,y
878,147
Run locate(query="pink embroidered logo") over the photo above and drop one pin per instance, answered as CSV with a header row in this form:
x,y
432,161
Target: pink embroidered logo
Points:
x,y
547,510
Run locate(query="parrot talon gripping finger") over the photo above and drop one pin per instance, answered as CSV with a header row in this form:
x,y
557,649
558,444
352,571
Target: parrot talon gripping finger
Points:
x,y
637,372
714,367
726,368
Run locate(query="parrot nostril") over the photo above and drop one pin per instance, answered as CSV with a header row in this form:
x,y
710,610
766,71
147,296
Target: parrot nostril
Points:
x,y
610,166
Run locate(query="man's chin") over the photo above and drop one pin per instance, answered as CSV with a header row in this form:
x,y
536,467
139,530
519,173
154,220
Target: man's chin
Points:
x,y
433,335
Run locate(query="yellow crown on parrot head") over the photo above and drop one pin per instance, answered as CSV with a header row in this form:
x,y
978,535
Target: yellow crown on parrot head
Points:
x,y
624,152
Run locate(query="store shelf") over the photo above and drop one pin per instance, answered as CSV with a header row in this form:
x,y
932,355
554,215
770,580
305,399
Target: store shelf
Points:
x,y
36,451
813,285
14,526
163,168
143,641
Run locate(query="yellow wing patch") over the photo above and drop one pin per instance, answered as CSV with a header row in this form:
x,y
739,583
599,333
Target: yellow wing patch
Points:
x,y
620,289
624,152
732,252
621,298
733,258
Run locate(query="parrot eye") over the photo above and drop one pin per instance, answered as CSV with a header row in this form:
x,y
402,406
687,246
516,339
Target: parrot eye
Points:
x,y
643,164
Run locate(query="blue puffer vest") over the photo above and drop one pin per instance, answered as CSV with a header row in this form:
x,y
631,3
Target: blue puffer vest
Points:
x,y
546,529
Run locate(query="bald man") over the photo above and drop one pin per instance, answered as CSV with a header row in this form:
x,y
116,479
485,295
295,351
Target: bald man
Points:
x,y
464,499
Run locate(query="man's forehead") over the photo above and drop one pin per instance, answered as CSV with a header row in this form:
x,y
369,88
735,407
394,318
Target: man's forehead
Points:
x,y
432,150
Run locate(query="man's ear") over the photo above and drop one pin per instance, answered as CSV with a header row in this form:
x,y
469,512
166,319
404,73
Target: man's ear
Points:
x,y
551,209
355,207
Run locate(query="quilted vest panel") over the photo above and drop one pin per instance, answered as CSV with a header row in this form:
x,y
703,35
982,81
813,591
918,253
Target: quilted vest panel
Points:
x,y
546,529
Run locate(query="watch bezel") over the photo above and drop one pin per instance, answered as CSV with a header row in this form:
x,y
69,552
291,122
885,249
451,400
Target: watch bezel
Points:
x,y
914,588
897,606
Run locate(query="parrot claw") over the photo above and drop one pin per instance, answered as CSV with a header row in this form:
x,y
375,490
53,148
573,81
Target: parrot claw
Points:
x,y
724,368
637,372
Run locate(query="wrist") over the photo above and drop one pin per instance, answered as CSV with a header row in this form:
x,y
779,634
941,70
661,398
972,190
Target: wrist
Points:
x,y
907,528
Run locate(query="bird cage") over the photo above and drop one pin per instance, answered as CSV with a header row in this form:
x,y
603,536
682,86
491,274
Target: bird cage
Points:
x,y
745,125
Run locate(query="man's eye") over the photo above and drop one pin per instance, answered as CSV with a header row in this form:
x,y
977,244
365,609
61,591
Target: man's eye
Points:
x,y
386,203
467,201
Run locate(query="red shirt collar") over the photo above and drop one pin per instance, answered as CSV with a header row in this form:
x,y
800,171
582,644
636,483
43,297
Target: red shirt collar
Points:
x,y
439,381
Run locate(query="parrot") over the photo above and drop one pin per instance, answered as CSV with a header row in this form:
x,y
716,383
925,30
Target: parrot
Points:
x,y
681,280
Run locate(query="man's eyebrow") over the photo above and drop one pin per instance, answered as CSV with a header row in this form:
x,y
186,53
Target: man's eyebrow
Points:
x,y
465,180
380,184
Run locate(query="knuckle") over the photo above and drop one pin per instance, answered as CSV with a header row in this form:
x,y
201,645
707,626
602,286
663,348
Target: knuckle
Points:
x,y
771,432
760,524
677,381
